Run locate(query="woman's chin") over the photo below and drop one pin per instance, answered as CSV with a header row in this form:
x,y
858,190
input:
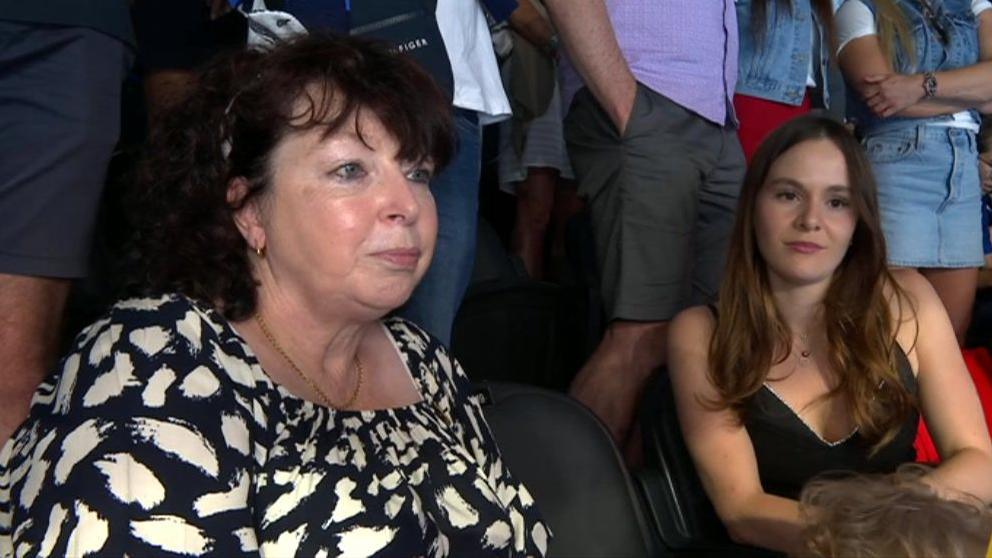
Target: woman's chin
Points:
x,y
387,300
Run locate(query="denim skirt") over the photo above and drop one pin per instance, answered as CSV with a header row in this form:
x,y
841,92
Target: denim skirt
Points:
x,y
929,195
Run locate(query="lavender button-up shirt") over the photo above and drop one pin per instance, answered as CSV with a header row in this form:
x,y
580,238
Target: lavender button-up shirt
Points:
x,y
684,49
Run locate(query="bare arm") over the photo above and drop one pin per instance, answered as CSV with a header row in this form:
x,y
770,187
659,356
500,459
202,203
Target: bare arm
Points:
x,y
948,399
587,34
870,74
532,25
971,86
888,93
722,449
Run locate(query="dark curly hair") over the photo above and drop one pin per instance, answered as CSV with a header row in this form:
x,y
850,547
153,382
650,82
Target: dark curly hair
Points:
x,y
240,107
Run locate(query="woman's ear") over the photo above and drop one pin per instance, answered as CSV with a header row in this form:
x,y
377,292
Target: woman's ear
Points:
x,y
247,216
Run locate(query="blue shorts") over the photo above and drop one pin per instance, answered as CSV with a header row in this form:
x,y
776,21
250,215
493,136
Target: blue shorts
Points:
x,y
60,105
929,195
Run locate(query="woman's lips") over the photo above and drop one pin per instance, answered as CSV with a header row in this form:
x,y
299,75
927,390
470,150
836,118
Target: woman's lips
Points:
x,y
404,258
804,247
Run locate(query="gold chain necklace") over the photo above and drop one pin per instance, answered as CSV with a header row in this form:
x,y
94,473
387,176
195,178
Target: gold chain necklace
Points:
x,y
323,396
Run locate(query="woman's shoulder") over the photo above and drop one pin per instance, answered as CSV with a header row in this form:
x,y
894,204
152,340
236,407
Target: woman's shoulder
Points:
x,y
157,342
916,310
918,295
411,339
155,365
689,338
169,312
169,323
694,323
428,360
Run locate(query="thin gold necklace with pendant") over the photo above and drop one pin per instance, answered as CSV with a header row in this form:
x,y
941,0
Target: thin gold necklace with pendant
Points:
x,y
313,385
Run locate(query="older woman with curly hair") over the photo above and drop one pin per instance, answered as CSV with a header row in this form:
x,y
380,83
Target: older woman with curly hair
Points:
x,y
255,401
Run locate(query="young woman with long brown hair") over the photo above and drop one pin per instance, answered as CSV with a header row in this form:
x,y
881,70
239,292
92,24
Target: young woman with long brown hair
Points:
x,y
816,357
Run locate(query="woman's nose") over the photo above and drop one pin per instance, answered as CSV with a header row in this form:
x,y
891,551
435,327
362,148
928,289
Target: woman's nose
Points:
x,y
809,217
402,202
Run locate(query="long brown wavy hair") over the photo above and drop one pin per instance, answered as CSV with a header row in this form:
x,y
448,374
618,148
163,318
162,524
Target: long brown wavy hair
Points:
x,y
760,25
751,336
894,33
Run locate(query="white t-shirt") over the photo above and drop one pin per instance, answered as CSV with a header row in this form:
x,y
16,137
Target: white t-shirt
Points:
x,y
465,32
854,20
466,38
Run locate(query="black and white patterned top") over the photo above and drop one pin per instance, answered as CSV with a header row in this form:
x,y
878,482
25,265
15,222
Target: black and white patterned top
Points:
x,y
162,435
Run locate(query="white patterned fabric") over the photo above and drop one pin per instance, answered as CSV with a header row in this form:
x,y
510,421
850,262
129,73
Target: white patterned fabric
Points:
x,y
162,436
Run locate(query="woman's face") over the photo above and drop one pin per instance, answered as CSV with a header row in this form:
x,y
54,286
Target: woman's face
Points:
x,y
346,225
804,217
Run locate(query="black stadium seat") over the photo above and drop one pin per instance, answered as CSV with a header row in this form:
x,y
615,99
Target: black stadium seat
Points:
x,y
567,460
682,515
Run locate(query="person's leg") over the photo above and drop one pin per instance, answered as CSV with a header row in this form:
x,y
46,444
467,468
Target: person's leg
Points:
x,y
435,301
959,226
718,197
60,93
642,190
535,199
956,289
611,382
567,204
30,327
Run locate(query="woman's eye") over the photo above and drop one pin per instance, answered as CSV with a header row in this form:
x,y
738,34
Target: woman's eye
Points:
x,y
349,171
421,174
839,203
787,195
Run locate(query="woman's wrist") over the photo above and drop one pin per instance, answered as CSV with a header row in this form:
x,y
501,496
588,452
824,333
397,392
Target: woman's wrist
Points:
x,y
929,85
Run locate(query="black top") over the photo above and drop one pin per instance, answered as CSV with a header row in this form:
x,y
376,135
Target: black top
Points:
x,y
790,453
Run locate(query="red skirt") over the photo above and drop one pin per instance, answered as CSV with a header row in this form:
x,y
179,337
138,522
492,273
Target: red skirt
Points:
x,y
760,117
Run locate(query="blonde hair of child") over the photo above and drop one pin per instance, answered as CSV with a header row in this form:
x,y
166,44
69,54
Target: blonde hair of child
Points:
x,y
882,516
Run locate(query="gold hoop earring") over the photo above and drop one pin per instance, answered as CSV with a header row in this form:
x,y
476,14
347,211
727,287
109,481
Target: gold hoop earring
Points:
x,y
260,252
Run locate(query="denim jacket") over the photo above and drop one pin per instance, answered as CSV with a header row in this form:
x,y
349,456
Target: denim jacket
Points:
x,y
776,67
932,55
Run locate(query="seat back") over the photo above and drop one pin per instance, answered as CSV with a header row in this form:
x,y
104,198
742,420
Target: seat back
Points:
x,y
677,505
506,330
511,328
567,460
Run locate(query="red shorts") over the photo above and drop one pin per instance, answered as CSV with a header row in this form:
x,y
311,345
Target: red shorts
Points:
x,y
759,117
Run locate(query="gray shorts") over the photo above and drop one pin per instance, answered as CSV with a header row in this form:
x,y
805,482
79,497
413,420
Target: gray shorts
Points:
x,y
60,97
662,199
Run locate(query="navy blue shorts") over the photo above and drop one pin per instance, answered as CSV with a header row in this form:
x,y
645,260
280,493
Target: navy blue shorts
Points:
x,y
60,97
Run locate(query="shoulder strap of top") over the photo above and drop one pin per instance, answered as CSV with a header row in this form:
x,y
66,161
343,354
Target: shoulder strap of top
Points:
x,y
905,370
713,309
